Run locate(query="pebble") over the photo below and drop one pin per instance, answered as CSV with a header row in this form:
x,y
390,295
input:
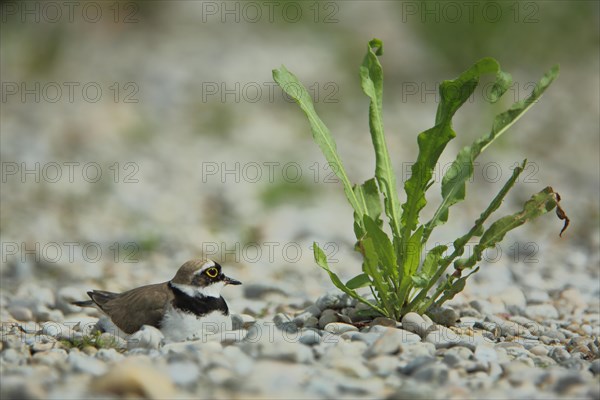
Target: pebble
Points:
x,y
51,357
184,373
443,337
135,377
413,322
432,373
485,353
148,337
595,366
81,362
540,312
559,354
310,337
335,300
508,328
328,316
256,291
390,341
21,313
446,316
339,327
109,355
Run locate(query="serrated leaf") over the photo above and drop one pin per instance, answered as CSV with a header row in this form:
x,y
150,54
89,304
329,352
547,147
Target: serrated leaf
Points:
x,y
358,281
371,76
433,141
383,248
321,134
368,195
461,170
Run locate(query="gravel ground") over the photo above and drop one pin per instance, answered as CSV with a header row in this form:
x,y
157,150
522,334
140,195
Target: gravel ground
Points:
x,y
526,326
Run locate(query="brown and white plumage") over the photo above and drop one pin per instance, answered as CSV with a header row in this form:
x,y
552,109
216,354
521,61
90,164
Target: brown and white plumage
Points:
x,y
175,307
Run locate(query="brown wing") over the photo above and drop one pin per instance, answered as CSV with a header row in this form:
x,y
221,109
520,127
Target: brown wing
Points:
x,y
132,309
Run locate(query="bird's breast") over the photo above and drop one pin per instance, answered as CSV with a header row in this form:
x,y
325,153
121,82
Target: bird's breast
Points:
x,y
178,325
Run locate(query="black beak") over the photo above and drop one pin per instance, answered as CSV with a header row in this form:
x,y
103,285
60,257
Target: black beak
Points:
x,y
230,281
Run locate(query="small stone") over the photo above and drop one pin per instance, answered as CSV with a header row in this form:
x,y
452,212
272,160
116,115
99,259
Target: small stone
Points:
x,y
539,350
259,291
109,355
483,306
86,364
390,341
433,373
541,312
327,316
89,350
384,321
366,337
413,322
241,321
445,316
310,313
559,354
485,353
508,328
536,296
310,337
184,373
329,301
383,365
135,377
595,366
339,327
13,356
513,297
148,337
51,357
442,337
21,313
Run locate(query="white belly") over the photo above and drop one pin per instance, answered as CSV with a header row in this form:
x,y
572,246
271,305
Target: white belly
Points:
x,y
178,326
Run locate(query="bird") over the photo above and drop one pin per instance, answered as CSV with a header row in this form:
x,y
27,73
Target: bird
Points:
x,y
187,306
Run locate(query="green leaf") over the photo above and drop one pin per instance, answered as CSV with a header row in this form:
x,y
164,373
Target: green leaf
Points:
x,y
433,141
321,134
383,248
368,196
371,77
454,287
359,281
321,260
411,263
454,181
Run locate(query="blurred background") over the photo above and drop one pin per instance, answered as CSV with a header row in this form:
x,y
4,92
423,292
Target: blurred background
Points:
x,y
138,135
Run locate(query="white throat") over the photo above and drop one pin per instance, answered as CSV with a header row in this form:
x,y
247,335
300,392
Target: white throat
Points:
x,y
213,290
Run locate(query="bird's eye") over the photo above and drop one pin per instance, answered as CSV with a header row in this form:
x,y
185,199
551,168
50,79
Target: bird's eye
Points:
x,y
212,272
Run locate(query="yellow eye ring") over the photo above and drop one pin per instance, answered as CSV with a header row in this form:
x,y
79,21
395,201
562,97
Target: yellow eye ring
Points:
x,y
212,272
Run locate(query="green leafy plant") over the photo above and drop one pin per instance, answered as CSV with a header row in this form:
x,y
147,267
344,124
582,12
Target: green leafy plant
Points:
x,y
393,268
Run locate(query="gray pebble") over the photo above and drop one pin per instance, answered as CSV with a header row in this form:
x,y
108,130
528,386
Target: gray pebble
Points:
x,y
13,356
260,290
51,357
184,373
433,373
310,337
21,313
148,337
413,322
339,327
334,301
443,337
559,354
109,355
508,328
595,366
541,312
327,316
446,316
86,364
390,342
485,353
